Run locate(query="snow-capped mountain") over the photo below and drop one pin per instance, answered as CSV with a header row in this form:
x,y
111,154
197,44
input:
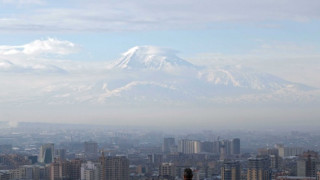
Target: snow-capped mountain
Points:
x,y
150,58
150,74
163,62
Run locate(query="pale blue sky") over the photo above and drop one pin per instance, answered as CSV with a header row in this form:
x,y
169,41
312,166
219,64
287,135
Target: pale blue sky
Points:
x,y
188,26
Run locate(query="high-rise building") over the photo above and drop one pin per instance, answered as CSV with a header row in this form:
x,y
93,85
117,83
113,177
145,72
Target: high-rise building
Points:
x,y
46,153
216,147
289,151
167,170
273,153
155,158
114,168
60,154
259,169
168,144
90,171
34,172
235,146
308,164
59,170
231,171
4,175
189,146
207,146
74,170
90,147
227,146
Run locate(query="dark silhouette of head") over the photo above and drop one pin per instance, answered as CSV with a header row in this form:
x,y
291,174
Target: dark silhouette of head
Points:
x,y
187,174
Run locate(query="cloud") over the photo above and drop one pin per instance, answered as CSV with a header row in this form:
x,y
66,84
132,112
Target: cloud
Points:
x,y
39,47
127,15
22,2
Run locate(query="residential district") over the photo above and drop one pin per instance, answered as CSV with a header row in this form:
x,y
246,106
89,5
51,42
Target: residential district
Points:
x,y
31,151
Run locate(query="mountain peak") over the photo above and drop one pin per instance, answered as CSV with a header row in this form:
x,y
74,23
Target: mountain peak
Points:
x,y
150,58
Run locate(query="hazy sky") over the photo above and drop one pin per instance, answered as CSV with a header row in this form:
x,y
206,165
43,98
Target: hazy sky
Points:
x,y
66,45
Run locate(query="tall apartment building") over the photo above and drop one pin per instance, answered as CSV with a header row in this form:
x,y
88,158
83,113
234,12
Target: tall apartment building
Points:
x,y
231,171
308,164
168,144
235,146
60,154
167,170
227,147
189,146
114,168
289,151
74,170
207,146
90,147
259,169
61,169
4,175
46,154
90,171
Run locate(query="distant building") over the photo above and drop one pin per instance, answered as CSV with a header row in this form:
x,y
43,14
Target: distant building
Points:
x,y
235,146
168,144
216,147
114,168
167,170
46,153
91,147
61,169
155,158
90,171
207,146
259,169
231,171
289,151
4,175
74,170
226,145
308,164
60,154
189,146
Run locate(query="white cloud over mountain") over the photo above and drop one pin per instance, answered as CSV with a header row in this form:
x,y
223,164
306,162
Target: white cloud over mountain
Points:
x,y
39,47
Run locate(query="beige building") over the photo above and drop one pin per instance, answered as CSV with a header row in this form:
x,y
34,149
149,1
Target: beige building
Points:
x,y
231,171
258,169
114,168
167,170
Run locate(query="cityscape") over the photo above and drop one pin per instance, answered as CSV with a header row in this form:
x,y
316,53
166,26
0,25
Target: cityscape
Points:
x,y
43,151
159,90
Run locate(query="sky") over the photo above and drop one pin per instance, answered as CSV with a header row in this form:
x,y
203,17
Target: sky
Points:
x,y
66,45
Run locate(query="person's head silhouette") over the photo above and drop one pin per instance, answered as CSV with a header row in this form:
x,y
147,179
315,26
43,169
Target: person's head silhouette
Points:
x,y
187,174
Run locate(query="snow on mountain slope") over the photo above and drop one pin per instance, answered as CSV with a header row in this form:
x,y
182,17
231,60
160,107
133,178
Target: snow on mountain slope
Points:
x,y
240,77
150,58
155,75
154,59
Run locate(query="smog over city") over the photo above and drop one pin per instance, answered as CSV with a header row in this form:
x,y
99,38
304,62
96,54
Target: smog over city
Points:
x,y
140,89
